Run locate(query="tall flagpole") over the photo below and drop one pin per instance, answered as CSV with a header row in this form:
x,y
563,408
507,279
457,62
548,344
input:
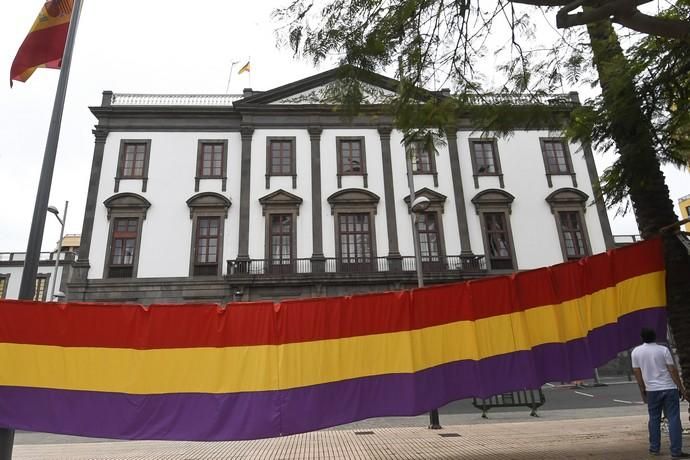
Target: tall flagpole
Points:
x,y
232,66
33,247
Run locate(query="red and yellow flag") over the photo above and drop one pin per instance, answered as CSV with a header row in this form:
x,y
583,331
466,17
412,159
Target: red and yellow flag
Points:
x,y
245,68
45,43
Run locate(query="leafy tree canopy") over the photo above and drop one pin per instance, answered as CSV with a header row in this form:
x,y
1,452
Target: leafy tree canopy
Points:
x,y
448,43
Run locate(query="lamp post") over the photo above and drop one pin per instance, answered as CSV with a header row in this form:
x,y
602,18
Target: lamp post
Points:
x,y
418,206
53,210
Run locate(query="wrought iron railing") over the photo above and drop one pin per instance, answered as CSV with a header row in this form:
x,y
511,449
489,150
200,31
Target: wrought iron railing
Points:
x,y
365,265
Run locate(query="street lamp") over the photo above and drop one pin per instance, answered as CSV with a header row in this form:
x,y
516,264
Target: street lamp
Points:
x,y
418,206
53,210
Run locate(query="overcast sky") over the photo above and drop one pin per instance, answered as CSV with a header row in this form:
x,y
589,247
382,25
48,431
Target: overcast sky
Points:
x,y
132,46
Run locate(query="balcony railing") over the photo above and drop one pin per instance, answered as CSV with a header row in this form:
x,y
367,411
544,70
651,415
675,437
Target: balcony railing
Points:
x,y
175,99
296,267
44,256
626,239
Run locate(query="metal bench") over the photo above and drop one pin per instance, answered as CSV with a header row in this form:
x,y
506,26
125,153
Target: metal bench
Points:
x,y
532,399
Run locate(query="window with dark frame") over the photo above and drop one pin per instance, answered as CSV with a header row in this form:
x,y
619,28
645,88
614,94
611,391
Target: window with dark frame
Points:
x,y
354,233
41,288
211,160
280,157
422,159
134,160
123,247
556,157
485,157
206,246
4,281
573,235
350,158
281,234
427,229
687,211
498,240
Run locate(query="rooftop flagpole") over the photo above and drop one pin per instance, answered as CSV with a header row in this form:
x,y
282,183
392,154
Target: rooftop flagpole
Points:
x,y
33,247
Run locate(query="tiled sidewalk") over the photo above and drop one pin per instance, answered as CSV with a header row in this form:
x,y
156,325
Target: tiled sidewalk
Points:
x,y
609,438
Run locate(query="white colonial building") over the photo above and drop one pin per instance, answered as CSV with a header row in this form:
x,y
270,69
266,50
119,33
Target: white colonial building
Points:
x,y
274,194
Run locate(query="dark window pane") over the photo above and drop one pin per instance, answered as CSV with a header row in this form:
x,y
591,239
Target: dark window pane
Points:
x,y
211,161
484,157
355,238
498,240
556,161
133,160
281,228
351,157
573,234
40,288
280,157
123,245
206,245
421,158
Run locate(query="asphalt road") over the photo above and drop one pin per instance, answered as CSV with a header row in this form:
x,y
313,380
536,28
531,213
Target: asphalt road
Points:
x,y
567,397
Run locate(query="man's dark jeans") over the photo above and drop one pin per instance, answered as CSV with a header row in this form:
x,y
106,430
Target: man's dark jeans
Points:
x,y
669,402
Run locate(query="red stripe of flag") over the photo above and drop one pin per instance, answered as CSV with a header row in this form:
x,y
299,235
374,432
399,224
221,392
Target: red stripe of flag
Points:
x,y
188,326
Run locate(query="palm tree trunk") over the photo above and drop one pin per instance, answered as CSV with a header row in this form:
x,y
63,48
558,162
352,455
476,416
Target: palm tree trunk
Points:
x,y
649,195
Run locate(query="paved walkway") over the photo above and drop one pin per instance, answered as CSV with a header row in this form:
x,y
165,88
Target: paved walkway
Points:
x,y
609,438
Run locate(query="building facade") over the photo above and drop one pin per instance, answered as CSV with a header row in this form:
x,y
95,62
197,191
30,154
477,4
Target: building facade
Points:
x,y
276,194
684,205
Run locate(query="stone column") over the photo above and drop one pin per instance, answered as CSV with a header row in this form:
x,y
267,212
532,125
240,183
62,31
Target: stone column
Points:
x,y
394,258
247,133
458,192
318,260
82,265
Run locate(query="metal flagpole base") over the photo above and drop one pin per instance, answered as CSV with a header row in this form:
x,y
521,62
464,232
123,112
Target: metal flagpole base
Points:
x,y
6,443
434,421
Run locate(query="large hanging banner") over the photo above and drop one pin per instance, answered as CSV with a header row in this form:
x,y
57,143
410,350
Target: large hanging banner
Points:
x,y
254,370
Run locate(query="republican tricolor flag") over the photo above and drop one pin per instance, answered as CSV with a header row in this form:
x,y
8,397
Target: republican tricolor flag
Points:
x,y
45,43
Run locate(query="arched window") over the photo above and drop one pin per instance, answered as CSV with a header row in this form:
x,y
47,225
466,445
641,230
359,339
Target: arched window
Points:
x,y
208,212
126,212
568,205
430,229
354,211
493,207
280,209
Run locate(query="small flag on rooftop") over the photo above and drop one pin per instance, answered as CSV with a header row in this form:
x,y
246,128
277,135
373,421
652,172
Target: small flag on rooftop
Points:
x,y
245,68
45,43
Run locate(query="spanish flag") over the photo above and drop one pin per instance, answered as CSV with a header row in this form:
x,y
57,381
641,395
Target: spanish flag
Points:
x,y
45,43
245,68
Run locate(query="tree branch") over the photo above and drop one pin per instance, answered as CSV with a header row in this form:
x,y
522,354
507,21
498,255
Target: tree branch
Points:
x,y
654,25
623,12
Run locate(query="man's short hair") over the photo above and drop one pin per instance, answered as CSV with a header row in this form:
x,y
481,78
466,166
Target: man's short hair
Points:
x,y
648,335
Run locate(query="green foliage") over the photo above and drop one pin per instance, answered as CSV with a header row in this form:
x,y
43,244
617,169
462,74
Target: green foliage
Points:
x,y
426,42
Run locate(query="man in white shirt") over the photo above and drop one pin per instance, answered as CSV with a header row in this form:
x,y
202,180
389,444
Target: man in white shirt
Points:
x,y
661,389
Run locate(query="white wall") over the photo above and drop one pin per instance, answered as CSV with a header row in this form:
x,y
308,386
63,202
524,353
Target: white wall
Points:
x,y
329,184
15,279
167,230
534,229
257,223
445,187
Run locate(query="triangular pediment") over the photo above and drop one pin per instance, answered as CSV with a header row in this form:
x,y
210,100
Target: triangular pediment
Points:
x,y
280,199
327,87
